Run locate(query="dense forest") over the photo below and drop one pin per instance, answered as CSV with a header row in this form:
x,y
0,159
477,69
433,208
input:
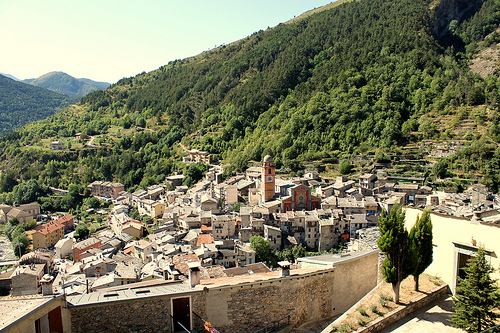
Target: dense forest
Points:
x,y
363,77
21,104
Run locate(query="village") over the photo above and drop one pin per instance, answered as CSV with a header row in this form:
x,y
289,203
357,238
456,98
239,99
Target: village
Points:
x,y
202,235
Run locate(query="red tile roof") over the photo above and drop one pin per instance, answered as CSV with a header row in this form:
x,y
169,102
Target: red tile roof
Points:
x,y
204,239
205,228
49,227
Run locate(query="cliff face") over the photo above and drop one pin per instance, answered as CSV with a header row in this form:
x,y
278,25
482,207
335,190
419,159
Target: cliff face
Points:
x,y
446,11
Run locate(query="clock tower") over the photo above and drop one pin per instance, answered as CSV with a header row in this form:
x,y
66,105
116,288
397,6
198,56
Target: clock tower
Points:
x,y
268,178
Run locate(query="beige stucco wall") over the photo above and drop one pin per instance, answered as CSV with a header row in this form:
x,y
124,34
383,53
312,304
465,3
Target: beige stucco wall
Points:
x,y
354,279
27,325
449,231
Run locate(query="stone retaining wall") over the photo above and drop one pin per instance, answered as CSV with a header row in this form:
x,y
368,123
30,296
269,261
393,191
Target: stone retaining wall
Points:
x,y
240,307
404,310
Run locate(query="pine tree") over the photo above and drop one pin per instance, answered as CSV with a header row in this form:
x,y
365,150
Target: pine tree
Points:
x,y
420,246
476,296
394,242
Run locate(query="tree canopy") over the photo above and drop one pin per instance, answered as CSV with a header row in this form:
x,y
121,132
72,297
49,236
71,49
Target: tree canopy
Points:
x,y
394,243
421,248
363,75
476,296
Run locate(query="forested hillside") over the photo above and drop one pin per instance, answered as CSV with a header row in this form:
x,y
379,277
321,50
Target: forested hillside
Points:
x,y
21,103
363,77
66,84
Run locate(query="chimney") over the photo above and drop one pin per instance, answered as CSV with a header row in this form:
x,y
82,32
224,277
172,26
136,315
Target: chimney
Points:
x,y
46,283
285,267
194,273
170,273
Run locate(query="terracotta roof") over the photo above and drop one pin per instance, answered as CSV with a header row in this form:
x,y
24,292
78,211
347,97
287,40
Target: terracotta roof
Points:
x,y
181,261
134,224
65,218
204,239
142,244
49,227
205,228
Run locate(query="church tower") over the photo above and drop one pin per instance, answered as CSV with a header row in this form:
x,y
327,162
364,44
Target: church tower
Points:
x,y
268,178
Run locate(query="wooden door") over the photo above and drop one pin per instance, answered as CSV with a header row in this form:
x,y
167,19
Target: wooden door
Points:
x,y
181,314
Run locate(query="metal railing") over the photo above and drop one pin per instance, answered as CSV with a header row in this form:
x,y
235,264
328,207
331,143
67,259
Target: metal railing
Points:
x,y
185,329
492,329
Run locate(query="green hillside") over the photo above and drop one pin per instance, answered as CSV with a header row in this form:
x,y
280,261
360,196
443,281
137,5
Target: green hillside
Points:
x,y
21,103
66,84
365,77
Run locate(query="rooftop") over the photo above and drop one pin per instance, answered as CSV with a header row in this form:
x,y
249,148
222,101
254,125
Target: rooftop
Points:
x,y
128,294
15,309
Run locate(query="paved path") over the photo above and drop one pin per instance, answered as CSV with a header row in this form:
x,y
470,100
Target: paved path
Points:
x,y
432,318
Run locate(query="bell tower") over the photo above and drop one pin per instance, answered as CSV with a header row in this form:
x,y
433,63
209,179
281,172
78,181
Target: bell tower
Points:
x,y
268,178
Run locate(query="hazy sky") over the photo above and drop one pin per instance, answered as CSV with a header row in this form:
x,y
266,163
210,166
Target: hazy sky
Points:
x,y
106,40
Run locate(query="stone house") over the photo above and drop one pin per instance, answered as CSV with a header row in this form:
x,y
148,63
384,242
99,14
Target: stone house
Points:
x,y
150,208
273,235
143,250
367,181
39,256
341,185
311,228
85,245
174,181
208,203
190,220
99,267
245,254
226,258
328,238
223,226
57,145
7,213
106,189
350,206
197,156
31,208
371,206
26,279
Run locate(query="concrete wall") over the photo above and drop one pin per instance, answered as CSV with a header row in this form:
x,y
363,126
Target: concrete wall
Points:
x,y
24,284
243,307
27,324
453,235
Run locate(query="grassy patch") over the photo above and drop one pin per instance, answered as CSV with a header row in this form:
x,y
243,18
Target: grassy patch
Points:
x,y
362,312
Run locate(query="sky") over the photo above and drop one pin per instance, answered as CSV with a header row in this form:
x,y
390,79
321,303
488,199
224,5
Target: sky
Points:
x,y
106,40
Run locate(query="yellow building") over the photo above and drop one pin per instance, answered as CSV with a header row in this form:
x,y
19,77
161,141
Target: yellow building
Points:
x,y
457,239
47,235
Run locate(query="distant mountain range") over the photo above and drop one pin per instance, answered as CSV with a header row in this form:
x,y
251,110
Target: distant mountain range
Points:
x,y
66,84
21,103
10,76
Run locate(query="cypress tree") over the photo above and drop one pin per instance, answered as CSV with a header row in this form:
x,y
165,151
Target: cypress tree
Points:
x,y
394,242
420,246
476,296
